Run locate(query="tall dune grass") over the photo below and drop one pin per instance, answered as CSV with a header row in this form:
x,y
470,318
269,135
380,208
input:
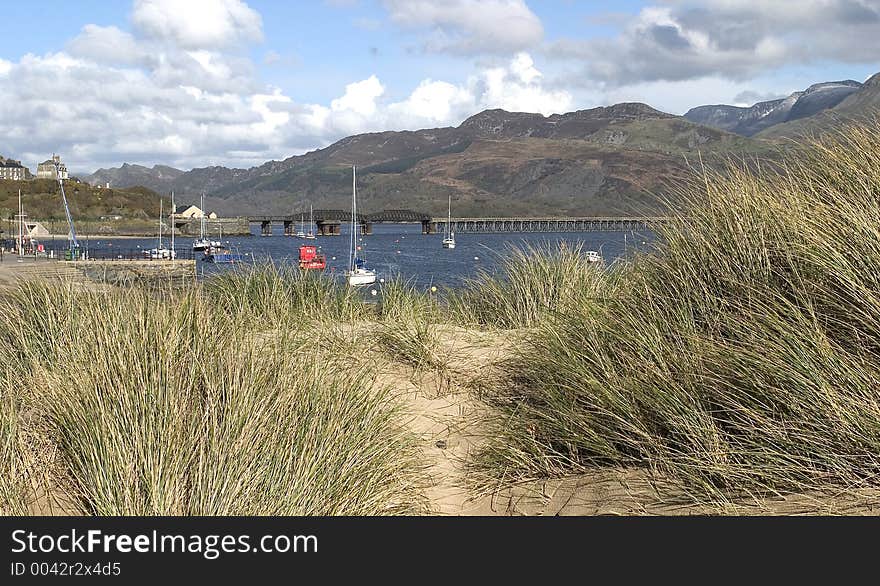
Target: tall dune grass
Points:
x,y
531,283
14,474
742,357
274,294
407,331
162,406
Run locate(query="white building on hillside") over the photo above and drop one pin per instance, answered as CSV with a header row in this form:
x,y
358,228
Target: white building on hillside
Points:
x,y
47,170
192,212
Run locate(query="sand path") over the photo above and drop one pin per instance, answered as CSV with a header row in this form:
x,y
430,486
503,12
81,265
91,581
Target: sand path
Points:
x,y
444,411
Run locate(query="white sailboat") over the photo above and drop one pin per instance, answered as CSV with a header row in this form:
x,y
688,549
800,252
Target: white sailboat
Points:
x,y
357,274
22,227
160,252
449,235
203,242
302,225
310,235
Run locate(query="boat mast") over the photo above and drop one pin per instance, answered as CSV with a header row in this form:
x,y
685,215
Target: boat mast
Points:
x,y
20,221
159,246
202,219
352,255
172,224
449,218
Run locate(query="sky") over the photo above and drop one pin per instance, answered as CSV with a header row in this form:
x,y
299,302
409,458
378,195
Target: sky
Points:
x,y
237,83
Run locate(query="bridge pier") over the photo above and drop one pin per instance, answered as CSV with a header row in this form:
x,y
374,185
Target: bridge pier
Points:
x,y
266,228
329,227
366,229
428,227
288,230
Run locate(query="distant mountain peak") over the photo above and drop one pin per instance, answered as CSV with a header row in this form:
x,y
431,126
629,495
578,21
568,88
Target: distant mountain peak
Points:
x,y
825,85
634,110
751,120
873,81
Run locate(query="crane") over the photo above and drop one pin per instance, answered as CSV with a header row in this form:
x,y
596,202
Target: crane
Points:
x,y
74,243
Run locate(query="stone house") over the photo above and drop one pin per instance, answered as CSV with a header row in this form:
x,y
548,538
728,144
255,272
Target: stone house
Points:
x,y
47,169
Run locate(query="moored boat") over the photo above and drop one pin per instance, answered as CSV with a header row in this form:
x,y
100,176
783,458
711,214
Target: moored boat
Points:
x,y
220,255
357,273
309,259
203,243
449,238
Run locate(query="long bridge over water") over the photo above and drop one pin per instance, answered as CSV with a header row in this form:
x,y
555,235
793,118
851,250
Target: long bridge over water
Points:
x,y
329,222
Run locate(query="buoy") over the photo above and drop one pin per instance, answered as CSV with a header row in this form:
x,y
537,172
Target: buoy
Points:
x,y
433,289
398,252
381,280
372,291
333,258
476,258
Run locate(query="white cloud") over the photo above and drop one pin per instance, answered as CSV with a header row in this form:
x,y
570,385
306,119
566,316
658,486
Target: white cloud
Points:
x,y
676,40
106,44
360,97
516,87
182,93
471,26
198,24
434,102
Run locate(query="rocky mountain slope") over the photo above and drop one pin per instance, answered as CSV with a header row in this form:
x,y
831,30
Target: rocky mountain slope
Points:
x,y
862,104
158,178
749,121
604,160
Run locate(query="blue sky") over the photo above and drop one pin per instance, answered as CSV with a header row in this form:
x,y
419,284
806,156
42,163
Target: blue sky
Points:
x,y
240,82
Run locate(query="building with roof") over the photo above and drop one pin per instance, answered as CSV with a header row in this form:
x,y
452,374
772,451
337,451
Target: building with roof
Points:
x,y
188,212
47,169
13,170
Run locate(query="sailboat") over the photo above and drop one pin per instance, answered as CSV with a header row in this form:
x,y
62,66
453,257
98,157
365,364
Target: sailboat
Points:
x,y
302,225
22,227
449,235
203,242
357,274
310,235
160,252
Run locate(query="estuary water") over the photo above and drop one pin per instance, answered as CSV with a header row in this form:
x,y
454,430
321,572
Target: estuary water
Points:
x,y
392,249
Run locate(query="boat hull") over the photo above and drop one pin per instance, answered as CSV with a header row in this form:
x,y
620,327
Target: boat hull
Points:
x,y
360,277
223,258
313,265
202,245
160,254
449,244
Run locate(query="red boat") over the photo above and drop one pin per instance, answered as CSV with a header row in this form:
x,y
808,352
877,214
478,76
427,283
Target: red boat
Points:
x,y
310,259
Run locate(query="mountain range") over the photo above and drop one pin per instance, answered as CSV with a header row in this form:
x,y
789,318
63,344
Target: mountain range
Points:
x,y
608,160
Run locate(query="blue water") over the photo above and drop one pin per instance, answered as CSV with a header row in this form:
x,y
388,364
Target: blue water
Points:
x,y
392,249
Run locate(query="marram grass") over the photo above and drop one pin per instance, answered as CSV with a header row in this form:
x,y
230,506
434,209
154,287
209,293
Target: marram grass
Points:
x,y
740,357
163,407
530,283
